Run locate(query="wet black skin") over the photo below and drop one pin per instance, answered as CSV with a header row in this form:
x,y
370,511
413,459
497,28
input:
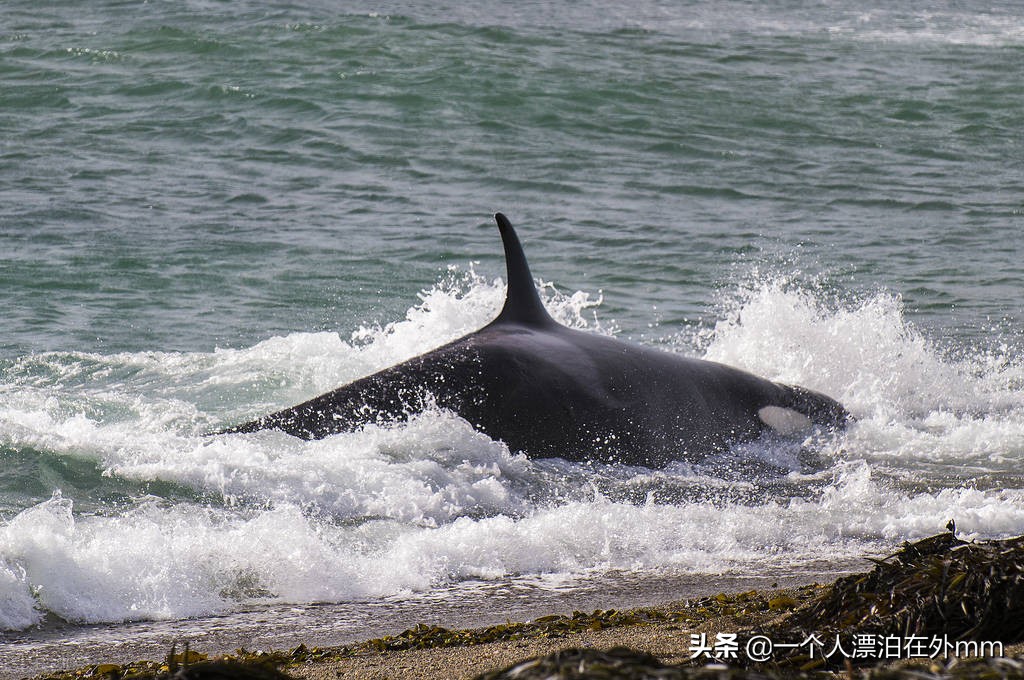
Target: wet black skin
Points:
x,y
551,391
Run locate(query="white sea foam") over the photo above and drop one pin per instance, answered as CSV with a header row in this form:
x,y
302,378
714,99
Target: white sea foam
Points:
x,y
301,365
409,507
885,23
982,29
913,400
160,562
17,607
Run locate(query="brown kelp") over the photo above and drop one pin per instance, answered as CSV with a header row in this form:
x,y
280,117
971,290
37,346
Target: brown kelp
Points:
x,y
941,587
936,587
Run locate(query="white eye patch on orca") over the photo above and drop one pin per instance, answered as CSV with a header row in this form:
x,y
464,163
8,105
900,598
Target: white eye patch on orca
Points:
x,y
785,421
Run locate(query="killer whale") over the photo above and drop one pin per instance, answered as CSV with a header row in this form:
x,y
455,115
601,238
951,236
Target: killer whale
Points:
x,y
551,391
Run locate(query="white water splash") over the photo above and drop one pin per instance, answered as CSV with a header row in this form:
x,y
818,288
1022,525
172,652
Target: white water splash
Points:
x,y
410,507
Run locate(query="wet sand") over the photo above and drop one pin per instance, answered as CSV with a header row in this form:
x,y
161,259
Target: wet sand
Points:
x,y
663,631
669,641
36,653
939,586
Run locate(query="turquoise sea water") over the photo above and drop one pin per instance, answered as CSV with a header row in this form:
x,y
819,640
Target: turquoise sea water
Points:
x,y
210,210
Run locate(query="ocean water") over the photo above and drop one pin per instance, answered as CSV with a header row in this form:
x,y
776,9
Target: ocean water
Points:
x,y
210,211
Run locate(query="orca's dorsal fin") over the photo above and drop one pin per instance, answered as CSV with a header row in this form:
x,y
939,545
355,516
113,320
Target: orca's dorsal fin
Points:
x,y
522,302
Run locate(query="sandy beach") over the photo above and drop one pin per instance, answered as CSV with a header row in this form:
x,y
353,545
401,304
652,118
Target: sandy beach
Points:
x,y
425,652
939,606
664,631
669,640
283,628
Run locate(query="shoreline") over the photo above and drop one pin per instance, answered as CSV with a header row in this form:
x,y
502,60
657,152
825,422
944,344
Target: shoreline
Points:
x,y
435,652
939,589
47,653
662,631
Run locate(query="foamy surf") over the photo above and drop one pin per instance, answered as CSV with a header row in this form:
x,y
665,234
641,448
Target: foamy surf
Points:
x,y
143,517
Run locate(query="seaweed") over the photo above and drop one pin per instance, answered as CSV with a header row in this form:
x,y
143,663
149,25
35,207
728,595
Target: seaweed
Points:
x,y
188,665
622,663
938,586
744,608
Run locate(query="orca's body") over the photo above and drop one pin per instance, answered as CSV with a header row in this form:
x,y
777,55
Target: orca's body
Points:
x,y
551,391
